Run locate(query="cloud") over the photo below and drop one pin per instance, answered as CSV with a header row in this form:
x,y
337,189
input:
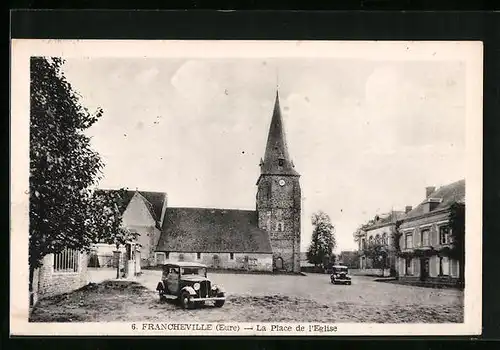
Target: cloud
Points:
x,y
194,81
147,75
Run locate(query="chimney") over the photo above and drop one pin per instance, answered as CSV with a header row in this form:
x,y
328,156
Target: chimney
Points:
x,y
429,190
408,208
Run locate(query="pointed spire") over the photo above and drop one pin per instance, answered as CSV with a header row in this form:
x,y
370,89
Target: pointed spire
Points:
x,y
276,158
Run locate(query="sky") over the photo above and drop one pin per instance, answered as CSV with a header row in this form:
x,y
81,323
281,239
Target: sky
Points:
x,y
366,136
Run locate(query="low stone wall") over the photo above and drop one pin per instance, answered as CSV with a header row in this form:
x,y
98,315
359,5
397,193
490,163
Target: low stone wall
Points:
x,y
370,272
47,282
431,281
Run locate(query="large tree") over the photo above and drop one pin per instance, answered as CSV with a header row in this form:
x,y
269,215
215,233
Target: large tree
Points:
x,y
63,166
323,241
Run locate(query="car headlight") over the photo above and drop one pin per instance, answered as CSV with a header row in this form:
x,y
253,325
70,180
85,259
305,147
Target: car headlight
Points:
x,y
196,286
214,287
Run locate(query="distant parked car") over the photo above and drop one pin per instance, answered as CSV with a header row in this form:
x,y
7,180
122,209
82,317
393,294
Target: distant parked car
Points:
x,y
188,283
340,275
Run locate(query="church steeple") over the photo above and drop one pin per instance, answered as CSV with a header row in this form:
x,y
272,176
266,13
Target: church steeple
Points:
x,y
276,159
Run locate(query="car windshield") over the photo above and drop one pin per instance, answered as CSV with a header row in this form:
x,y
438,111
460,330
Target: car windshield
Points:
x,y
341,269
200,271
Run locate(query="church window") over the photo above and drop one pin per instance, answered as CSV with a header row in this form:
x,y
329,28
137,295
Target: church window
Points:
x,y
231,256
279,227
280,162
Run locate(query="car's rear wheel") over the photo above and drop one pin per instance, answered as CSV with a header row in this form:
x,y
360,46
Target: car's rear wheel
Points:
x,y
185,300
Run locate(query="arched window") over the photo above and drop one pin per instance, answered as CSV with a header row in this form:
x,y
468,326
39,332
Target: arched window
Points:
x,y
384,239
377,239
370,240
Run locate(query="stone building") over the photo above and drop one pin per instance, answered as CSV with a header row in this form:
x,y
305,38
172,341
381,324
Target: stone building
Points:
x,y
267,239
426,240
220,238
264,239
380,230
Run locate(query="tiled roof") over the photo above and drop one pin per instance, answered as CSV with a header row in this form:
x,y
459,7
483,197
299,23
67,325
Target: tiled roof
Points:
x,y
153,200
449,194
212,230
156,201
384,219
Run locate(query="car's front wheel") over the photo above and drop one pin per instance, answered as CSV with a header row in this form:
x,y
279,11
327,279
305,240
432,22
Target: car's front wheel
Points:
x,y
219,303
185,300
332,279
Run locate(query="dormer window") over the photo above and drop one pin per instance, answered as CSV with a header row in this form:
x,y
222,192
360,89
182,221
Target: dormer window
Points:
x,y
431,204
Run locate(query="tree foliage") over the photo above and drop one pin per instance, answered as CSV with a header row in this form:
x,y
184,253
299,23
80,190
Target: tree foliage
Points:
x,y
350,259
108,225
323,240
63,166
378,253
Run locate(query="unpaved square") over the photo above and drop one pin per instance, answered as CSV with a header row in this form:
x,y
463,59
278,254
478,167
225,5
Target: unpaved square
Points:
x,y
259,298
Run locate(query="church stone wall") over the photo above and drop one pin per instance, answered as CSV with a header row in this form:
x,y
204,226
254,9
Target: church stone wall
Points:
x,y
238,261
279,211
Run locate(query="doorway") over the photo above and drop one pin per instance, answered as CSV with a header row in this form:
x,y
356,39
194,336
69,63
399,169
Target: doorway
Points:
x,y
279,263
424,268
216,261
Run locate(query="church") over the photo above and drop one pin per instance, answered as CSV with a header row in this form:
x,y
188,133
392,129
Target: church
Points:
x,y
264,239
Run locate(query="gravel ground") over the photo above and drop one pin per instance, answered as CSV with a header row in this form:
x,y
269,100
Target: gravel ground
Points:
x,y
259,298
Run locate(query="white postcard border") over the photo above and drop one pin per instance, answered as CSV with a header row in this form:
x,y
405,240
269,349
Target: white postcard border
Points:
x,y
470,52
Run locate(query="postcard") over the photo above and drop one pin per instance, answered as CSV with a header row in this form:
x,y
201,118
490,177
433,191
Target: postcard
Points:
x,y
246,188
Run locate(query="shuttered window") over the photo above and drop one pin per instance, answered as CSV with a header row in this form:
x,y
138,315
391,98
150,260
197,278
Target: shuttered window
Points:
x,y
454,268
409,241
66,261
425,238
408,267
444,266
444,235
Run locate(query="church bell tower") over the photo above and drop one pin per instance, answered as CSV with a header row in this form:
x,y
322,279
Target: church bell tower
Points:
x,y
279,197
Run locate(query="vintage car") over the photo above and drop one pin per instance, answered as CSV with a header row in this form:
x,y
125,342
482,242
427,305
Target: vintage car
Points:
x,y
188,283
340,275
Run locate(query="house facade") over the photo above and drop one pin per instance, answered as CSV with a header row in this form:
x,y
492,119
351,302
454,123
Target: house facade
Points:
x,y
379,231
143,213
426,241
59,273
